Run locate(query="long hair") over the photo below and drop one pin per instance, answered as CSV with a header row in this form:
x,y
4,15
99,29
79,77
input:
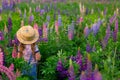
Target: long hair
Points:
x,y
21,48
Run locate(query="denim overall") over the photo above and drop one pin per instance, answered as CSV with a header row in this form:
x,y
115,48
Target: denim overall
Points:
x,y
33,70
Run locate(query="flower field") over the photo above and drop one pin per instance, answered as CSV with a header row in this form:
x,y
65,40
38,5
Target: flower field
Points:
x,y
79,40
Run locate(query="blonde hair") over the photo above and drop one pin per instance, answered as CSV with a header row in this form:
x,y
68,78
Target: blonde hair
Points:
x,y
21,47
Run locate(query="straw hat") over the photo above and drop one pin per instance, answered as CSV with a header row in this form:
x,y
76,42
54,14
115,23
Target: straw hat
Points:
x,y
27,35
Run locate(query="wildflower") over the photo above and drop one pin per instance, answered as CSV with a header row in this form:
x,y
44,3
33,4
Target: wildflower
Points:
x,y
71,31
1,35
88,48
59,20
86,31
48,18
71,71
56,27
1,58
11,67
106,38
1,10
62,72
31,18
78,59
96,26
9,24
35,26
115,33
111,20
45,31
14,52
96,74
37,9
105,11
83,76
42,11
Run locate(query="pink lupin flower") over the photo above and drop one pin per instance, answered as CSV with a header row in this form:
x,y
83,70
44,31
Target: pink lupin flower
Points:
x,y
71,31
11,67
96,74
83,76
8,72
45,31
35,26
14,52
56,27
70,35
1,58
80,20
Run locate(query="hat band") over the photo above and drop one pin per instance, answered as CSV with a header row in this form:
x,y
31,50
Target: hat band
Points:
x,y
27,38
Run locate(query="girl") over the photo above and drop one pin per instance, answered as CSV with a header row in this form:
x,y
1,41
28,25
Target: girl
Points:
x,y
28,49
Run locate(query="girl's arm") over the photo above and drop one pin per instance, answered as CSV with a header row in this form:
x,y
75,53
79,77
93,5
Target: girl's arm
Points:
x,y
38,56
18,55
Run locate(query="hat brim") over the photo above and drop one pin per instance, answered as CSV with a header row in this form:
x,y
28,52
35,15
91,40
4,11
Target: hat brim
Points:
x,y
27,42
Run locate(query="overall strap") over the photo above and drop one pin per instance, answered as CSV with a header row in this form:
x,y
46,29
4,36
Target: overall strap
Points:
x,y
30,59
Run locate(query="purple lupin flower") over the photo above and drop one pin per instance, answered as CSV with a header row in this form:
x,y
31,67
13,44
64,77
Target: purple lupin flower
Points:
x,y
71,71
78,59
62,72
115,33
37,9
84,64
96,26
0,10
40,34
4,4
60,66
40,31
89,68
71,31
48,18
31,18
59,20
9,24
42,11
1,36
87,11
106,38
86,31
11,4
111,20
83,76
96,74
88,48
80,19
10,43
15,41
105,11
